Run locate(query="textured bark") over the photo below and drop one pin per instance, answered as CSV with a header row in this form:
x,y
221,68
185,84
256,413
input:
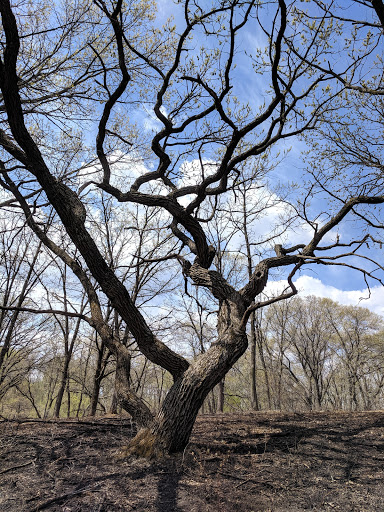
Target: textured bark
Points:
x,y
70,209
172,427
128,400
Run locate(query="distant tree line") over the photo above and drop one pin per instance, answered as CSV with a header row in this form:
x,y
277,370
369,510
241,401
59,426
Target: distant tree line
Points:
x,y
311,354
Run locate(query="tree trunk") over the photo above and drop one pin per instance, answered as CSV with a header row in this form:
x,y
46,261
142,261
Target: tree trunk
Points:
x,y
114,401
129,401
97,381
68,399
83,385
220,402
254,398
63,383
171,429
265,368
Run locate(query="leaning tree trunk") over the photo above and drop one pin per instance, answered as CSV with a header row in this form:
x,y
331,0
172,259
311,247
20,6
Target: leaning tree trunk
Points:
x,y
253,340
172,427
128,400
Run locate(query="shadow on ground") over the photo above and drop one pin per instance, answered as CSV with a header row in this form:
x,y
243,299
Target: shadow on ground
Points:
x,y
253,462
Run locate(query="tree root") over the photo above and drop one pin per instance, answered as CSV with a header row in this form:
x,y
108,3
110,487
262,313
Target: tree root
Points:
x,y
144,445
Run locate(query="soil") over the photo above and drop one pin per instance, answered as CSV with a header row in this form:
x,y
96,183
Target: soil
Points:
x,y
234,463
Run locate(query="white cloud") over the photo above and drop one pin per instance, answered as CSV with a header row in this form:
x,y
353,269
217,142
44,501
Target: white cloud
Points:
x,y
151,122
275,221
125,169
192,173
307,285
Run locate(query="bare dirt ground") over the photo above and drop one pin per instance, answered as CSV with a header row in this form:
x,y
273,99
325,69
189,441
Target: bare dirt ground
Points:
x,y
234,463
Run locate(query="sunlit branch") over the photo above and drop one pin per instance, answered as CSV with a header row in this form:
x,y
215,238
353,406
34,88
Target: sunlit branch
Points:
x,y
283,296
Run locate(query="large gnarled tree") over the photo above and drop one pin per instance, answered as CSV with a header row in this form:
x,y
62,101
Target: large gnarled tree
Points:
x,y
88,69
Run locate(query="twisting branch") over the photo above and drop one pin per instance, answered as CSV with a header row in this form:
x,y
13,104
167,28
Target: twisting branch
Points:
x,y
379,9
173,256
336,219
283,296
331,261
117,93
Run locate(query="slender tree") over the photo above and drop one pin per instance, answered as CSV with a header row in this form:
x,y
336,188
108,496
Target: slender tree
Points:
x,y
21,268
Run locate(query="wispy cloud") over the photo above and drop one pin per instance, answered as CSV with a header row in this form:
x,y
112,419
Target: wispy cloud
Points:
x,y
151,122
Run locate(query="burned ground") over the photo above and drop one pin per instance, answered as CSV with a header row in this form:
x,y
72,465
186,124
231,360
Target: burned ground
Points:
x,y
234,463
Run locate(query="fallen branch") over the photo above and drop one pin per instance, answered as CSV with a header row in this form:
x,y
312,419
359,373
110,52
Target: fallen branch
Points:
x,y
16,467
49,502
102,421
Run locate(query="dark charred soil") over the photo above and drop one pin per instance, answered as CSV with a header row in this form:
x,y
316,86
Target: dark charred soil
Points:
x,y
234,463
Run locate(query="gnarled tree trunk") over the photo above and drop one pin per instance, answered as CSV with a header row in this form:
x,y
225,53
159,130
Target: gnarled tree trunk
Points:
x,y
172,427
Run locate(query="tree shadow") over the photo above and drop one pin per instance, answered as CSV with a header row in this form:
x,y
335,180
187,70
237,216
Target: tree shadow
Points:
x,y
259,454
167,489
346,444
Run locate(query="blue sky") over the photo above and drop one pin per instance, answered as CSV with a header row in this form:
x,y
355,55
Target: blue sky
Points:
x,y
251,87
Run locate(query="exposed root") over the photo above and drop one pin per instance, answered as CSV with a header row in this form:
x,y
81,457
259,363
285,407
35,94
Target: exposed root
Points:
x,y
144,445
